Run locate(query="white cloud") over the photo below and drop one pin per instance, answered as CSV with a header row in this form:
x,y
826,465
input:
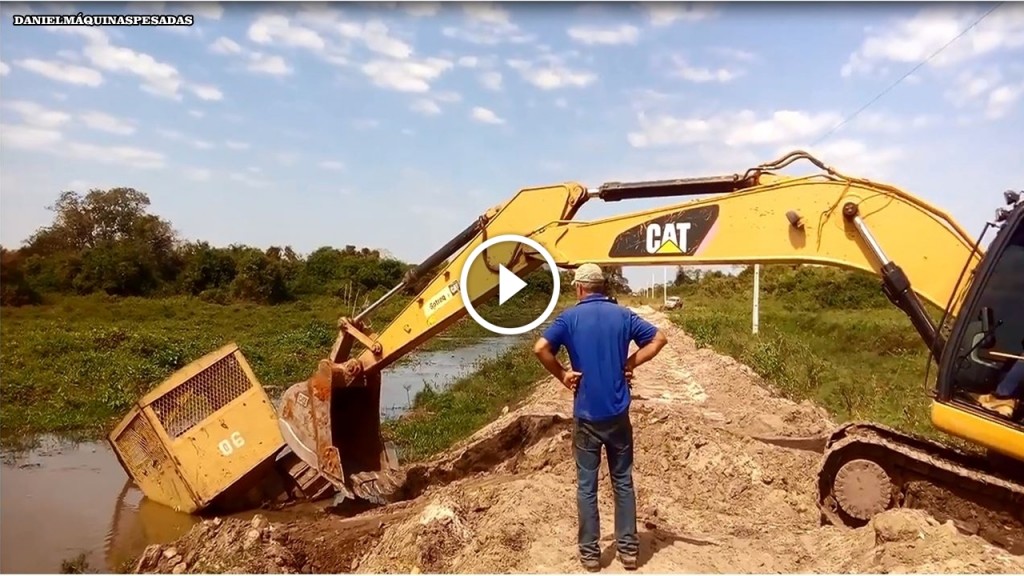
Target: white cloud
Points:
x,y
196,113
666,13
332,165
987,89
550,73
278,29
266,64
376,36
224,45
4,69
491,80
179,137
38,116
421,9
486,116
850,157
47,140
257,62
1002,99
29,137
425,106
912,40
736,129
158,78
700,74
208,10
207,92
107,123
405,75
591,35
487,24
62,71
468,61
235,145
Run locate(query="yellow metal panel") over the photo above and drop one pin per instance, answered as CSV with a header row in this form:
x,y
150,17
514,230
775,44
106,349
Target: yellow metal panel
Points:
x,y
990,433
189,371
140,448
229,444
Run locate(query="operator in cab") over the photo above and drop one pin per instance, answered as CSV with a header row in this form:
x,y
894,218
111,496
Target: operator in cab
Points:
x,y
597,333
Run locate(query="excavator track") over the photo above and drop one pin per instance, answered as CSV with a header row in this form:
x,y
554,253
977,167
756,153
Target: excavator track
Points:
x,y
868,468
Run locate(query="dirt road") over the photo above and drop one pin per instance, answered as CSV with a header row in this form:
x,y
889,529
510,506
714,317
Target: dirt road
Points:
x,y
710,499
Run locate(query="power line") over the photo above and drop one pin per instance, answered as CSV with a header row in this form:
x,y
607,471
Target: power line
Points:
x,y
907,75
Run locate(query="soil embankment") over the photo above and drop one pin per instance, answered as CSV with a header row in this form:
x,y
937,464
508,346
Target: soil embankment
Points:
x,y
710,499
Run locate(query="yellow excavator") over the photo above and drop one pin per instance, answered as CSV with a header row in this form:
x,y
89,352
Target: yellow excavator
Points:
x,y
331,422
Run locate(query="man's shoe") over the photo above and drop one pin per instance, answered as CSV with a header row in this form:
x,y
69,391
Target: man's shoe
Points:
x,y
1002,406
591,564
628,562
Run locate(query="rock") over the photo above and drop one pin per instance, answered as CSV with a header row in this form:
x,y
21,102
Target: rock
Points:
x,y
898,526
259,522
179,568
251,538
149,559
170,552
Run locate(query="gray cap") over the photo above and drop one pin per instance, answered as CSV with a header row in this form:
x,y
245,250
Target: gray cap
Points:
x,y
588,274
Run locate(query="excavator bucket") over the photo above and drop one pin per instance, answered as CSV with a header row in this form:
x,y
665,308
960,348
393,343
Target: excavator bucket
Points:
x,y
332,423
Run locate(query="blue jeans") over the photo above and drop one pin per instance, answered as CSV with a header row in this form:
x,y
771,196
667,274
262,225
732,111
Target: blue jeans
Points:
x,y
616,435
1010,386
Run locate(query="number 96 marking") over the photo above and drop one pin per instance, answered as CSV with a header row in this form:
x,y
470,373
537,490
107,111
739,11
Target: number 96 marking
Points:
x,y
228,445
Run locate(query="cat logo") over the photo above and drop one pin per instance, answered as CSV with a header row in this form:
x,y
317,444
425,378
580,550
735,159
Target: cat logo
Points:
x,y
668,240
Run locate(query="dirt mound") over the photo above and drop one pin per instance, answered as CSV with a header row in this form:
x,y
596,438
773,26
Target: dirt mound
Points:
x,y
224,545
710,498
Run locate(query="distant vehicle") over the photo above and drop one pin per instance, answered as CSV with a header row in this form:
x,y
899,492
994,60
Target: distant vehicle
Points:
x,y
673,302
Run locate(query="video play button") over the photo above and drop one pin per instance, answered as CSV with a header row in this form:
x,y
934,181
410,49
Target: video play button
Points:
x,y
509,284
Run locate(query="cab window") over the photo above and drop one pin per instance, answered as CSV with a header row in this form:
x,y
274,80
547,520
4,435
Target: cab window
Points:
x,y
979,363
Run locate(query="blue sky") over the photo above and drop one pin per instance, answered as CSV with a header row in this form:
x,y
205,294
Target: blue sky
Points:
x,y
394,125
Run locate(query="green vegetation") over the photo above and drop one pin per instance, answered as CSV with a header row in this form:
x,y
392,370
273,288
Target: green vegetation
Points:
x,y
826,335
106,302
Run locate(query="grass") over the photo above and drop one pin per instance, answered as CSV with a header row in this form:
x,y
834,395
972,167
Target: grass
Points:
x,y
439,419
866,364
76,366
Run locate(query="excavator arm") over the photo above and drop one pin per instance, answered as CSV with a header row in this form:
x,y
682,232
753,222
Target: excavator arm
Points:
x,y
331,421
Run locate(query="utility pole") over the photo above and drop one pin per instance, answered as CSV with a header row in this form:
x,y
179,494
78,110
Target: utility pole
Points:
x,y
757,299
664,287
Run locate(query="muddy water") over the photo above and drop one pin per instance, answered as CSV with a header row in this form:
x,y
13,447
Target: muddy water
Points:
x,y
63,499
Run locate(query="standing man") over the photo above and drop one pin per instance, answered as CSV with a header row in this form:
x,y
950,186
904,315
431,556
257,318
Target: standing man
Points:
x,y
597,332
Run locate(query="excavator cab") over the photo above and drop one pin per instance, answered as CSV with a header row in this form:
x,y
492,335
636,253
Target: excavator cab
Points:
x,y
980,386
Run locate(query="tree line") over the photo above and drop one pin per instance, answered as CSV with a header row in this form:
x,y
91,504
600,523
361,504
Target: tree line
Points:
x,y
108,241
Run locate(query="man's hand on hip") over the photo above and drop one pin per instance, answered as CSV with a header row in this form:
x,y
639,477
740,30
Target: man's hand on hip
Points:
x,y
571,379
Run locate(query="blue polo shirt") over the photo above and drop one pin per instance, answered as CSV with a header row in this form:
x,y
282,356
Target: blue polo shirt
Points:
x,y
597,332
